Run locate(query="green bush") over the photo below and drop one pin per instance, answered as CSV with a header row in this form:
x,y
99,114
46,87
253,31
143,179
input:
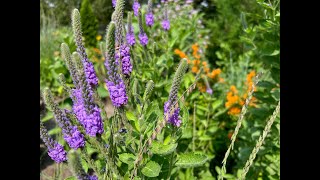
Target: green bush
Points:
x,y
89,24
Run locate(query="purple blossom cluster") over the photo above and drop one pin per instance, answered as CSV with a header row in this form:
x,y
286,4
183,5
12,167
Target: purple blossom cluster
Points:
x,y
143,39
125,55
135,8
149,19
174,119
93,177
131,40
165,24
57,153
117,93
114,2
55,150
90,73
90,119
74,138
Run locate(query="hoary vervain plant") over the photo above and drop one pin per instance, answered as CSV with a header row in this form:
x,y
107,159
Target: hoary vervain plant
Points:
x,y
148,133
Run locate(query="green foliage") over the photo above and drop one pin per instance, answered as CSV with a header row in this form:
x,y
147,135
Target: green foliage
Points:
x,y
89,24
151,169
188,160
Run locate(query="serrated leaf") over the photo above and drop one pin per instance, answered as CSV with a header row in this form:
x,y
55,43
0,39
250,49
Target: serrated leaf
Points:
x,y
127,158
152,169
161,149
188,160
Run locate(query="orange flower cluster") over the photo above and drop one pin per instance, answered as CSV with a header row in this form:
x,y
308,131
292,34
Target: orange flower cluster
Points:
x,y
249,83
201,86
234,101
180,53
196,65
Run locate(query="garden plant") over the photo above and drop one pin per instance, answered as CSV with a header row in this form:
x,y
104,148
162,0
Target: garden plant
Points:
x,y
186,103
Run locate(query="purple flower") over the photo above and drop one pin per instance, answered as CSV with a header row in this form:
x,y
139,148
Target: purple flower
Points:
x,y
117,93
189,1
209,91
149,19
143,39
114,2
126,64
75,139
90,73
57,153
55,150
165,24
131,40
174,119
91,120
135,8
93,177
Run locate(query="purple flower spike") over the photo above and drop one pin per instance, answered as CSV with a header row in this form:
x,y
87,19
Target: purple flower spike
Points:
x,y
76,139
114,2
131,39
149,19
57,153
174,119
93,177
125,55
135,8
143,39
117,93
165,24
91,121
90,73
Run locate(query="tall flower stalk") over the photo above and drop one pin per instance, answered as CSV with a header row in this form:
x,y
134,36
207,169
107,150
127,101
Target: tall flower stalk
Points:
x,y
115,84
55,150
70,133
131,40
149,16
87,65
142,35
165,22
173,118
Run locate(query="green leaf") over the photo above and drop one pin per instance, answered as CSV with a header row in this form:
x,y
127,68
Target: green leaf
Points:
x,y
53,131
159,148
152,169
131,116
71,178
102,92
188,160
127,158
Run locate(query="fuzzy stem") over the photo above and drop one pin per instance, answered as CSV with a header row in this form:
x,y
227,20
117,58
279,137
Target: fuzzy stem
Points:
x,y
239,122
259,142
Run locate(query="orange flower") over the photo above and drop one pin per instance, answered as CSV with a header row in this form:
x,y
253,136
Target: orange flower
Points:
x,y
195,69
196,62
234,111
97,50
206,70
204,63
221,80
188,61
195,47
233,89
